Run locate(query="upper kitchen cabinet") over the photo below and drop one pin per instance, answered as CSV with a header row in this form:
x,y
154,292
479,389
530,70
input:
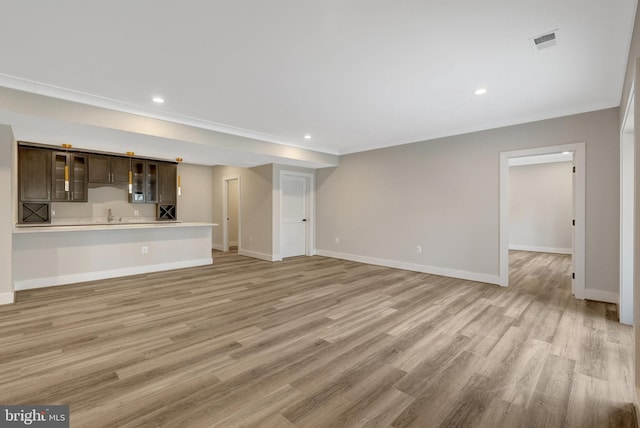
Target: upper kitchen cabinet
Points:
x,y
34,172
152,182
167,183
109,169
70,177
145,182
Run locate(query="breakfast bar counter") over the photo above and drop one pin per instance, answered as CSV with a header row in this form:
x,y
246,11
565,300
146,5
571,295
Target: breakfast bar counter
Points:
x,y
51,255
82,227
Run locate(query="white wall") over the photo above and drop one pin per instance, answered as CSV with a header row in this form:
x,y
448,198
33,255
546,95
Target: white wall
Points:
x,y
7,207
195,204
100,199
255,192
256,212
70,254
55,121
633,75
540,207
636,228
443,195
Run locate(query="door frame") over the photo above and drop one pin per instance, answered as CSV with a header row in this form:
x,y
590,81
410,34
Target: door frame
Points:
x,y
579,206
310,238
225,213
627,211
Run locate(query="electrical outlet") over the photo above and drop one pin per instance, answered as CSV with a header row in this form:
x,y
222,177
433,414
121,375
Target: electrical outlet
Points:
x,y
145,250
419,249
53,213
337,240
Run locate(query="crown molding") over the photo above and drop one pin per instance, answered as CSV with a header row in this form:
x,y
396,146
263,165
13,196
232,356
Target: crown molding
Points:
x,y
67,94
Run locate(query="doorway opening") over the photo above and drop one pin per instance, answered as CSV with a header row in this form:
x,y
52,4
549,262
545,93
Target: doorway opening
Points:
x,y
627,212
231,213
577,154
541,207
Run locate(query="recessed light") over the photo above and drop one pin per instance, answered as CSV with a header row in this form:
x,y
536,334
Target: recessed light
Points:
x,y
480,91
307,137
158,100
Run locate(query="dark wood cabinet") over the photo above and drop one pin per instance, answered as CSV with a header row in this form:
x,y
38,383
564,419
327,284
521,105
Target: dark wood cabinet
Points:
x,y
167,191
34,172
120,170
99,169
109,169
137,195
69,177
166,212
145,182
167,183
80,178
34,182
49,174
151,182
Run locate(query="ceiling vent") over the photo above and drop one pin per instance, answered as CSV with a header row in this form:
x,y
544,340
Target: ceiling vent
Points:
x,y
544,41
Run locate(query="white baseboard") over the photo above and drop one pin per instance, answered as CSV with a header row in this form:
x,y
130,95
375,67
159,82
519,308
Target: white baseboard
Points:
x,y
540,249
257,255
635,404
29,284
6,298
602,296
453,273
218,247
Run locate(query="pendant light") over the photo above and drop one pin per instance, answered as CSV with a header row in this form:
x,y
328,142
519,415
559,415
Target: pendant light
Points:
x,y
66,168
130,154
179,184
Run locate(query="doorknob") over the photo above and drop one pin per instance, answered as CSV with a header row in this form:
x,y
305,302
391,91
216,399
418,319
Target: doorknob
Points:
x,y
304,219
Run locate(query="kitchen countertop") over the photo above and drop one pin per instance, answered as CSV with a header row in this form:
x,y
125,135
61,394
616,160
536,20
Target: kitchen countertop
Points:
x,y
28,228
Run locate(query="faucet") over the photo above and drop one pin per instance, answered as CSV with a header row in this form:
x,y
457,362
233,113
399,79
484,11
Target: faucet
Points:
x,y
109,216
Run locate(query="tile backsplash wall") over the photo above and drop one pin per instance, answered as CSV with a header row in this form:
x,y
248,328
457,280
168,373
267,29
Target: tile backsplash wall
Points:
x,y
100,200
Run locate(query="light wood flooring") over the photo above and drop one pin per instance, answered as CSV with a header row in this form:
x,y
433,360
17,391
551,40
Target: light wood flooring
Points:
x,y
318,342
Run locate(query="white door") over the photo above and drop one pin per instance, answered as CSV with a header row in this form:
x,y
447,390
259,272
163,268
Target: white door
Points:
x,y
294,216
231,226
232,213
573,226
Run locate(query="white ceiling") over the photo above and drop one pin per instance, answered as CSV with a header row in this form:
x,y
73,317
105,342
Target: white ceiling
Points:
x,y
355,75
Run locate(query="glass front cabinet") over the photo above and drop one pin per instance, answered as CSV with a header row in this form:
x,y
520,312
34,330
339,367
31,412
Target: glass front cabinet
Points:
x,y
144,176
69,177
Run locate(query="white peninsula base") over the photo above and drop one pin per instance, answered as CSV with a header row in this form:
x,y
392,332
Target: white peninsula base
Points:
x,y
57,255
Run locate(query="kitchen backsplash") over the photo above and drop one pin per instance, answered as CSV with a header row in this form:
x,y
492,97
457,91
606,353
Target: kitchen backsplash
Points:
x,y
100,200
